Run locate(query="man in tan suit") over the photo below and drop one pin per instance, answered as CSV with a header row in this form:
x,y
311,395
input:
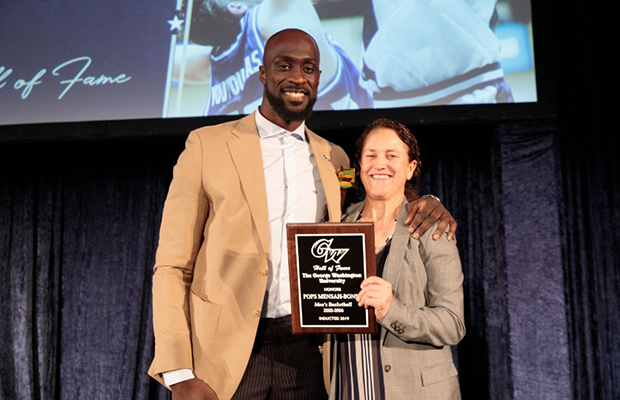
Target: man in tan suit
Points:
x,y
220,290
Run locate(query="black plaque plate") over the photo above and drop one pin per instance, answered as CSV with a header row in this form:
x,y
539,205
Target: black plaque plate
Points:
x,y
327,263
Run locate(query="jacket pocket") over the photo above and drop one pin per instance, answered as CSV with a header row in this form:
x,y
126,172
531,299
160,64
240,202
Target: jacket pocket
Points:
x,y
438,372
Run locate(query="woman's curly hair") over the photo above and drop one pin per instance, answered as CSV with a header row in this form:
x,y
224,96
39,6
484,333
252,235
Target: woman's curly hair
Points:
x,y
407,138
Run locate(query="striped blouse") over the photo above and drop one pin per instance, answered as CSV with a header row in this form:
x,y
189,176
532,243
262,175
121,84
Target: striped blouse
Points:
x,y
360,375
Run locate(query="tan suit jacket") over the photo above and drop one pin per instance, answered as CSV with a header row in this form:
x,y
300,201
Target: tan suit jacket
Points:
x,y
212,261
425,317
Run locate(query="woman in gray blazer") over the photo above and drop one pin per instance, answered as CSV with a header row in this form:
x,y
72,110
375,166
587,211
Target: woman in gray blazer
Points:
x,y
417,293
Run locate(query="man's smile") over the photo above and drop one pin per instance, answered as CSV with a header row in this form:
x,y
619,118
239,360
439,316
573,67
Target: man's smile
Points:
x,y
295,94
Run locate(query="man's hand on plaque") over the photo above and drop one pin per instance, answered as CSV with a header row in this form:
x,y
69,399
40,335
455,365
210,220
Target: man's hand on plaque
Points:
x,y
376,293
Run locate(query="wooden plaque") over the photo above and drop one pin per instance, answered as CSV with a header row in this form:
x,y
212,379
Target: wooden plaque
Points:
x,y
327,264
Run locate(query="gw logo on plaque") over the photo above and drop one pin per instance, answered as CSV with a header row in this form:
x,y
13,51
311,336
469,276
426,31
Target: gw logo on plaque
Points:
x,y
322,248
328,263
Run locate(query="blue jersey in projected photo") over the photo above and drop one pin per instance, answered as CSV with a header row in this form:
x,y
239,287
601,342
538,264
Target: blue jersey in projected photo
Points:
x,y
433,52
236,89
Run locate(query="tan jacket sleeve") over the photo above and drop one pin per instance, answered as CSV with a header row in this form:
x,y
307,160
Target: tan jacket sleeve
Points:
x,y
183,219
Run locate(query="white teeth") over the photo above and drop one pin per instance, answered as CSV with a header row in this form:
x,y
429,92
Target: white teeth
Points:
x,y
295,94
380,176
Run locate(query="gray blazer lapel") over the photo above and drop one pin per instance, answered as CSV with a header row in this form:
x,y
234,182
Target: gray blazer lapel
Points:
x,y
395,257
353,211
394,262
400,239
246,154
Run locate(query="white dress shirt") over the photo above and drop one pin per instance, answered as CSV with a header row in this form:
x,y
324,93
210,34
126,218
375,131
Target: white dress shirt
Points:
x,y
294,194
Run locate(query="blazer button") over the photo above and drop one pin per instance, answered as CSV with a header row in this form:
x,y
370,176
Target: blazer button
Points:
x,y
264,271
387,367
255,313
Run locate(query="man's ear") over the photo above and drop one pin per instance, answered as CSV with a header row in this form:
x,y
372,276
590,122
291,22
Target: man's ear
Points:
x,y
261,75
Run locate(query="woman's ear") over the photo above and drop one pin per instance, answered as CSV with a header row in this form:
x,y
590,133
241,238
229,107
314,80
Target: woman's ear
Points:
x,y
411,169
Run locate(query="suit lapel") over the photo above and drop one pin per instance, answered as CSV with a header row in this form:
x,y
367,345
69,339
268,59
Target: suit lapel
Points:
x,y
398,247
395,257
246,154
322,154
353,212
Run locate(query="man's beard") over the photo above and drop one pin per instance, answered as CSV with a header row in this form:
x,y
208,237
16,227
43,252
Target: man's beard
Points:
x,y
277,103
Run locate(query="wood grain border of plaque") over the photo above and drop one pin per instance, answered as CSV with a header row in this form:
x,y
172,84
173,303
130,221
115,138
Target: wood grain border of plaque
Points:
x,y
327,264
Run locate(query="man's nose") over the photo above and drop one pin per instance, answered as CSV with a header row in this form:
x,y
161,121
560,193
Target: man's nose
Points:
x,y
296,75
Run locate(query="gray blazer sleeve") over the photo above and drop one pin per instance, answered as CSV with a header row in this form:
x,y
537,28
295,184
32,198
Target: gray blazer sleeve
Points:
x,y
428,292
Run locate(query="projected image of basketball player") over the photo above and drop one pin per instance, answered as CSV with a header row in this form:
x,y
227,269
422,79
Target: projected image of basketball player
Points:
x,y
430,52
232,68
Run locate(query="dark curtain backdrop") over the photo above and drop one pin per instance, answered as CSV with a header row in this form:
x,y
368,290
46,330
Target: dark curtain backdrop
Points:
x,y
537,227
537,205
79,222
590,195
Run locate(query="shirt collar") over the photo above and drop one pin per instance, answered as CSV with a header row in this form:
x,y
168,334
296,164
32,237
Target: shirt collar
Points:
x,y
267,128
